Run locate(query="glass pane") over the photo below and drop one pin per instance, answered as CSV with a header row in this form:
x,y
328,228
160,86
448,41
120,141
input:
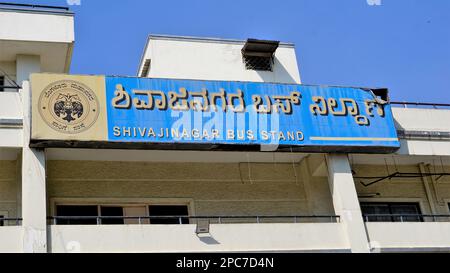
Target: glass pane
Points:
x,y
376,208
168,211
77,211
405,209
112,211
2,83
2,223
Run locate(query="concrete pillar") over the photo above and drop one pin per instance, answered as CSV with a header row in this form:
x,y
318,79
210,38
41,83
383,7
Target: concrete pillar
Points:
x,y
25,66
346,203
34,200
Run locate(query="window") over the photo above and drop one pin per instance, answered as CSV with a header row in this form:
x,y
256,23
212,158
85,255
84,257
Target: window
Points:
x,y
120,214
77,211
388,209
112,211
2,83
168,211
258,63
2,223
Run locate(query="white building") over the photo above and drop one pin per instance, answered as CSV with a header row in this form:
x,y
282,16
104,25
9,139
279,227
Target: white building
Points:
x,y
98,198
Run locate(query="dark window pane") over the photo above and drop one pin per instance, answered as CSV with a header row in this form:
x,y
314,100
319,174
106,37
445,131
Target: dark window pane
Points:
x,y
406,209
77,211
2,223
112,211
376,208
2,83
168,211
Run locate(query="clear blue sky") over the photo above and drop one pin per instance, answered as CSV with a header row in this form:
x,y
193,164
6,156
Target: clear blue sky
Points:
x,y
403,44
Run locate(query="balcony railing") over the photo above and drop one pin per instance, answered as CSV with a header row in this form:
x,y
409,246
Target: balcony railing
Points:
x,y
421,105
99,220
7,88
10,221
405,218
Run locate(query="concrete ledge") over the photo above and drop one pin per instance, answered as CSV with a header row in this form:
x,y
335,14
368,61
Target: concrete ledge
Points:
x,y
11,239
409,237
320,237
11,137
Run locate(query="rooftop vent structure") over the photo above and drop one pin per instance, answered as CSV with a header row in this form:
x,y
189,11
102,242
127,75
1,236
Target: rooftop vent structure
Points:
x,y
259,54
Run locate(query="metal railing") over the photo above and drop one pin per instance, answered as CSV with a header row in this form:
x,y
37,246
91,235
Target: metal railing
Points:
x,y
10,222
100,220
406,218
3,88
421,105
31,6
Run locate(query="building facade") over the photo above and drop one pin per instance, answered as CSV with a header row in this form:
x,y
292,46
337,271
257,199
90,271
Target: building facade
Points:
x,y
94,194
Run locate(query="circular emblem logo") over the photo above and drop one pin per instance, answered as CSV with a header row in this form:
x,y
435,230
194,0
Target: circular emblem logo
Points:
x,y
69,107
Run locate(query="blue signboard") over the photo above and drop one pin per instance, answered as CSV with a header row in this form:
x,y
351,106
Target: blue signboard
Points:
x,y
308,118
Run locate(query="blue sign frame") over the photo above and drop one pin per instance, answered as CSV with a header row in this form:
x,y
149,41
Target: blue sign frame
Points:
x,y
245,114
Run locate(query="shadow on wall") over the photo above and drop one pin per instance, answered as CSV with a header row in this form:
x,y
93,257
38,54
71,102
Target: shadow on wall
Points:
x,y
208,240
279,74
403,148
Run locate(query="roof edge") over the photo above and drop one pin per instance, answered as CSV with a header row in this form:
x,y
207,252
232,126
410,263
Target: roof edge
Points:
x,y
205,39
36,11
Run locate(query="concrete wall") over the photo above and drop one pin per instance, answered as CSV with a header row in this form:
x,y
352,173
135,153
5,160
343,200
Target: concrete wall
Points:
x,y
8,188
10,69
42,33
412,237
10,111
10,105
417,119
36,26
428,120
11,239
224,238
214,189
214,59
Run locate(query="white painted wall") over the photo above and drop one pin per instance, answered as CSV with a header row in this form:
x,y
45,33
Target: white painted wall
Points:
x,y
425,148
409,236
27,65
10,109
10,105
182,238
418,119
214,59
11,239
47,34
34,26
